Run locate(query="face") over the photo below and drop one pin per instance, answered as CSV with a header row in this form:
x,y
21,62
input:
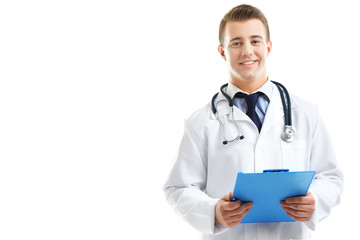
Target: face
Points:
x,y
245,49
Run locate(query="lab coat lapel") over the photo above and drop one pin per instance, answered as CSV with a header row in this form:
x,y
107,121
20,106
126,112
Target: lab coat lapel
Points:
x,y
222,106
274,112
240,115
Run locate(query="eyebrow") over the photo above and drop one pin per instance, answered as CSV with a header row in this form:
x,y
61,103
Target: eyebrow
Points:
x,y
240,38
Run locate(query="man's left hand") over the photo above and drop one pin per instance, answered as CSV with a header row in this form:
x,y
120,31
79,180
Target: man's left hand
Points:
x,y
300,208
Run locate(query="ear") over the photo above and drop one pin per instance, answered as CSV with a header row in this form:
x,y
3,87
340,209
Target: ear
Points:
x,y
222,52
268,47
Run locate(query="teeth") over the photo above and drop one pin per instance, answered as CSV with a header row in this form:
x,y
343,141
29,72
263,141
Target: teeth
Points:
x,y
247,63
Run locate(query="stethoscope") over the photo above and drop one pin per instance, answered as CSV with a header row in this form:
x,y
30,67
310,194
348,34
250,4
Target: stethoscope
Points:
x,y
288,134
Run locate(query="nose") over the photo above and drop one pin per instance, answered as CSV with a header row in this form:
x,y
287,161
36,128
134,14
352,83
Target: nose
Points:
x,y
247,50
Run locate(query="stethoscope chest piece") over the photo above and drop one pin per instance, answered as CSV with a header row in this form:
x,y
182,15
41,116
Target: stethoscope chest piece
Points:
x,y
289,134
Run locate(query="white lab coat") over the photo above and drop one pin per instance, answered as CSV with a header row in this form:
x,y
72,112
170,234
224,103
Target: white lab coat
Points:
x,y
205,169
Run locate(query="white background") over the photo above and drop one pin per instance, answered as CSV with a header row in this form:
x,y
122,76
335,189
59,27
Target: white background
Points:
x,y
93,95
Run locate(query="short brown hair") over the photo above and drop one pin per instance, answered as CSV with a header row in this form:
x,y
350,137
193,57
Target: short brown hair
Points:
x,y
240,13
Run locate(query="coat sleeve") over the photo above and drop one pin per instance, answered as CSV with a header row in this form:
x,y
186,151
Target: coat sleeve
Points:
x,y
327,185
184,188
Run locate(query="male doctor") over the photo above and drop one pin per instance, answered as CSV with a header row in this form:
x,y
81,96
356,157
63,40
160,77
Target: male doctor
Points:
x,y
204,173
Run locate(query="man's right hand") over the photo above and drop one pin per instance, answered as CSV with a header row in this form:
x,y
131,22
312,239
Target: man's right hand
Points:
x,y
229,214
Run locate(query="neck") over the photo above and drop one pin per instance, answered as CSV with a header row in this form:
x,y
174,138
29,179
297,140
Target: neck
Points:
x,y
249,86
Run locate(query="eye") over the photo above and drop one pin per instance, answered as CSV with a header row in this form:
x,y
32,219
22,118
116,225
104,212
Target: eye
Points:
x,y
236,44
255,42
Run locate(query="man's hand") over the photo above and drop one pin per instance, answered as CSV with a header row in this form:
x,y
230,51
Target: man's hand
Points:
x,y
229,214
300,208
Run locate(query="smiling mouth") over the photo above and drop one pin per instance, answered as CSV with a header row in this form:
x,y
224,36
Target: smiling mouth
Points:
x,y
248,62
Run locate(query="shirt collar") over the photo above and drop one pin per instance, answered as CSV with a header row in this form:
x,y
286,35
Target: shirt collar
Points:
x,y
266,89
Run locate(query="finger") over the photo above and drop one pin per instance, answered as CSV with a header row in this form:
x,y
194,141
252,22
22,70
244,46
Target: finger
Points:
x,y
229,206
308,199
236,219
233,224
299,207
230,196
227,197
297,213
299,219
231,221
245,207
301,199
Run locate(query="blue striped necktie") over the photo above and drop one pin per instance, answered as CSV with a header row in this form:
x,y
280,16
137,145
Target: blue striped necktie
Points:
x,y
251,101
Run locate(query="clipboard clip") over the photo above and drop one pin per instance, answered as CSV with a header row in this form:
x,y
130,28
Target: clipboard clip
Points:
x,y
275,170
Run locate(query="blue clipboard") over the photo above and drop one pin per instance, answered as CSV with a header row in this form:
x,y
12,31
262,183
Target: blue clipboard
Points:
x,y
266,190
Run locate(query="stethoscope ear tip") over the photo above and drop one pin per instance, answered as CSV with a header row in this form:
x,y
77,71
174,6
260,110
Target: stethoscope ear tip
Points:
x,y
237,138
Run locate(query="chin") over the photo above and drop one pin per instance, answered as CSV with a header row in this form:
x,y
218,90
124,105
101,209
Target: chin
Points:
x,y
249,78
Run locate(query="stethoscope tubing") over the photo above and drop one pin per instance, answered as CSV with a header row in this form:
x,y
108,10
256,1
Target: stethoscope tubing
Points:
x,y
282,89
289,132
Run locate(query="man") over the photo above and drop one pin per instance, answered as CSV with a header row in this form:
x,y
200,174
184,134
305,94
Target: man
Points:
x,y
203,176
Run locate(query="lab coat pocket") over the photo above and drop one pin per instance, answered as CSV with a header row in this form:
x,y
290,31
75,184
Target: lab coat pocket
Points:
x,y
295,155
